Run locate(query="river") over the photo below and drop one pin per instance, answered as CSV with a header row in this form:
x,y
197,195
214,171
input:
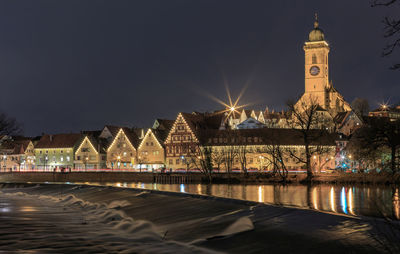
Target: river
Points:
x,y
373,201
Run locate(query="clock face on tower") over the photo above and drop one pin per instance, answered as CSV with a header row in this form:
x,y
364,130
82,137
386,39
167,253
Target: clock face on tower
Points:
x,y
314,70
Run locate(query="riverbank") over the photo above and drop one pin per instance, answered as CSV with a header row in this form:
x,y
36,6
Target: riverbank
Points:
x,y
59,218
233,178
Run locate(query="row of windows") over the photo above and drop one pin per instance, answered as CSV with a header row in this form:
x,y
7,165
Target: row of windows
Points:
x,y
123,154
181,149
182,138
119,145
54,159
54,151
144,153
235,140
91,157
180,127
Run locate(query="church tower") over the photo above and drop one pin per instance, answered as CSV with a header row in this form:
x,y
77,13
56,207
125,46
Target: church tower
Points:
x,y
316,51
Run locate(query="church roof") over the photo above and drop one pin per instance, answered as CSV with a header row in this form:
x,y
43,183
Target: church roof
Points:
x,y
316,34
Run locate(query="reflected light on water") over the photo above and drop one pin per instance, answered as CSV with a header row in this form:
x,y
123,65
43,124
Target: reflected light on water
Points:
x,y
396,204
5,210
315,198
261,194
332,197
351,201
28,209
343,200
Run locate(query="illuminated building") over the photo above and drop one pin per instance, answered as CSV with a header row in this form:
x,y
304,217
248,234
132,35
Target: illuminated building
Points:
x,y
317,85
386,111
17,154
151,150
122,151
56,152
91,153
182,143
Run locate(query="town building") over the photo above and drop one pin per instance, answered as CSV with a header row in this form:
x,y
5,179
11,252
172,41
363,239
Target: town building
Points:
x,y
56,152
122,151
182,142
386,111
151,156
17,154
259,149
91,152
318,88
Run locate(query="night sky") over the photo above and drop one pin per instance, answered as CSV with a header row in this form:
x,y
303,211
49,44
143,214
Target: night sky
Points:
x,y
73,65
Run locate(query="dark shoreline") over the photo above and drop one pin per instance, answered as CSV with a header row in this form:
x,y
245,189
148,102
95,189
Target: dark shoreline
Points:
x,y
234,178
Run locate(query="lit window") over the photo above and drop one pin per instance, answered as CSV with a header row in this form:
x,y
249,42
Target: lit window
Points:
x,y
61,158
67,158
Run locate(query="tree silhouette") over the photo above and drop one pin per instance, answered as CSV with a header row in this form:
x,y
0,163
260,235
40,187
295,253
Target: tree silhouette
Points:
x,y
391,30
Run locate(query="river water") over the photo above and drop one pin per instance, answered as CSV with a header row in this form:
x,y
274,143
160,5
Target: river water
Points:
x,y
374,201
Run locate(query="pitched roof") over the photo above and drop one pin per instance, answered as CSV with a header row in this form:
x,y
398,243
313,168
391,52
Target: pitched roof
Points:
x,y
132,136
340,117
164,124
113,129
202,121
99,144
161,135
59,140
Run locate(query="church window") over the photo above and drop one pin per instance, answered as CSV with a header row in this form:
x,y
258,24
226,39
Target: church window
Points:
x,y
314,59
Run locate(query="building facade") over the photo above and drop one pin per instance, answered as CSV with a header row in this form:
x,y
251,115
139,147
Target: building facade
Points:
x,y
56,152
90,154
122,152
151,156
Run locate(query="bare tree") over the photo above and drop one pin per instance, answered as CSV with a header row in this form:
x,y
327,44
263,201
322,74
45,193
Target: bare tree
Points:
x,y
310,125
391,30
9,125
141,159
242,151
379,135
276,157
217,158
363,149
230,153
360,106
203,161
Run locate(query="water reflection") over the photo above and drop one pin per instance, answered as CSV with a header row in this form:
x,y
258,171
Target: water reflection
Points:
x,y
350,200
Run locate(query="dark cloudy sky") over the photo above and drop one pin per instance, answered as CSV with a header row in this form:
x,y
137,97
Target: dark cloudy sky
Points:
x,y
72,65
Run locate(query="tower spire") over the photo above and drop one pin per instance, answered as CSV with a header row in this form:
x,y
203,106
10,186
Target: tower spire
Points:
x,y
316,24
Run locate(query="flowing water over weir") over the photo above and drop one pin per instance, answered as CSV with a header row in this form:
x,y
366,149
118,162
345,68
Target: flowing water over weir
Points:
x,y
375,201
127,218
